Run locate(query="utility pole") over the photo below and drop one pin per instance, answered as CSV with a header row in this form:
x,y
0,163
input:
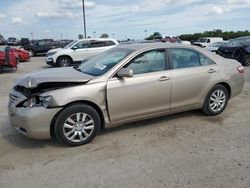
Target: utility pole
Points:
x,y
145,33
84,21
32,37
94,34
113,35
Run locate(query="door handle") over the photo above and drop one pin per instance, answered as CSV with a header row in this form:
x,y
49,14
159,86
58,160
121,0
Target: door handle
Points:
x,y
164,78
211,71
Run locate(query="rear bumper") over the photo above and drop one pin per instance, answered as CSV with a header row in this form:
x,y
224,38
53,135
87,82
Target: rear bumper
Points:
x,y
237,86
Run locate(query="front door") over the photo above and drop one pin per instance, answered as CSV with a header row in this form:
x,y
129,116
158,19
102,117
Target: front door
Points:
x,y
147,92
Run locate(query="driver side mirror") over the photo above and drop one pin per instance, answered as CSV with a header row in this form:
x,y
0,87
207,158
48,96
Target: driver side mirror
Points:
x,y
125,72
74,47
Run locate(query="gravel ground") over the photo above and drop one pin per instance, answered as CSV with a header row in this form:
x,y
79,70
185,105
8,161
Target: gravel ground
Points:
x,y
183,150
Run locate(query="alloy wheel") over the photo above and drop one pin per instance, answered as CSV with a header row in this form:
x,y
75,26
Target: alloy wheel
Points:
x,y
78,127
217,100
64,62
247,60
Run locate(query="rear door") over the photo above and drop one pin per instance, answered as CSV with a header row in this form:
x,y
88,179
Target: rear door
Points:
x,y
147,92
192,74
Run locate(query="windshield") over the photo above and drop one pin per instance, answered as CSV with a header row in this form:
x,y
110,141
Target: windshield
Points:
x,y
202,40
218,44
232,43
70,44
103,62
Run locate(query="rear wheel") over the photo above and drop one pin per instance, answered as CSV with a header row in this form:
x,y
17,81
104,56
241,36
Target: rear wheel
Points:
x,y
216,100
64,61
77,125
246,60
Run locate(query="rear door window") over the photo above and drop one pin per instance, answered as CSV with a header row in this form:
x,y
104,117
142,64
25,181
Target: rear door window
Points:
x,y
184,58
82,44
97,44
109,43
41,43
205,60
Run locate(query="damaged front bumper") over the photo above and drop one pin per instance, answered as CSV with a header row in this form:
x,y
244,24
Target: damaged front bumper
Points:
x,y
32,122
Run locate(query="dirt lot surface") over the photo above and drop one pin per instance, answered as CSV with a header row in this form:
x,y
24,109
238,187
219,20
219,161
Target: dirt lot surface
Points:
x,y
183,150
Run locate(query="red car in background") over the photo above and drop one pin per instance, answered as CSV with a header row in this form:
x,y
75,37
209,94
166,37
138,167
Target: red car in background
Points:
x,y
23,55
168,39
8,58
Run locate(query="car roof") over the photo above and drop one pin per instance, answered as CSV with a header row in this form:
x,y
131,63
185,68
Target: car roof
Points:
x,y
241,38
141,46
100,39
149,46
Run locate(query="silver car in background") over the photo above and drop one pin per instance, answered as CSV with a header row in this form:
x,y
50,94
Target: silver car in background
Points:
x,y
124,84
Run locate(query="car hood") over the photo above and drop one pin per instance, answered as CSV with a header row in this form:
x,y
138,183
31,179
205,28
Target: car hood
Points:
x,y
54,50
53,75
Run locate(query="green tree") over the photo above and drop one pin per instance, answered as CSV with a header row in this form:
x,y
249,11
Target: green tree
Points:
x,y
226,35
154,35
104,35
80,36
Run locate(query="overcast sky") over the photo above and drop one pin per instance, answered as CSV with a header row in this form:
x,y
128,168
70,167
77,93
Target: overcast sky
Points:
x,y
63,18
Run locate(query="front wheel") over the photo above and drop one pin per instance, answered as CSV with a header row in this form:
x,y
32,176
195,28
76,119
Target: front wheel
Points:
x,y
216,100
64,62
31,53
77,125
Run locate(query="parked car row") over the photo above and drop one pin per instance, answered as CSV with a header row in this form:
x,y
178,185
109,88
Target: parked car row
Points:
x,y
41,47
238,48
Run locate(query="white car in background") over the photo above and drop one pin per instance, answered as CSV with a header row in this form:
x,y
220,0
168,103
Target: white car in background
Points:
x,y
186,42
205,41
78,50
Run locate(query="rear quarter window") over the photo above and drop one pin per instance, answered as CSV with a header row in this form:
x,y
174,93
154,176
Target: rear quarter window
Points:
x,y
184,58
205,60
109,43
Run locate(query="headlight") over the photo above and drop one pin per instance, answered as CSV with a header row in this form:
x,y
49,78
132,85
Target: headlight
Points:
x,y
37,101
50,53
30,102
45,100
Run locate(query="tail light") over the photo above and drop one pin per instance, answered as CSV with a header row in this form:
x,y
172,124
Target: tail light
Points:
x,y
240,69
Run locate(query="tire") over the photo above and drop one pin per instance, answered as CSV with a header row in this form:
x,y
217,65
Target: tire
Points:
x,y
31,53
64,61
77,124
216,100
246,60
